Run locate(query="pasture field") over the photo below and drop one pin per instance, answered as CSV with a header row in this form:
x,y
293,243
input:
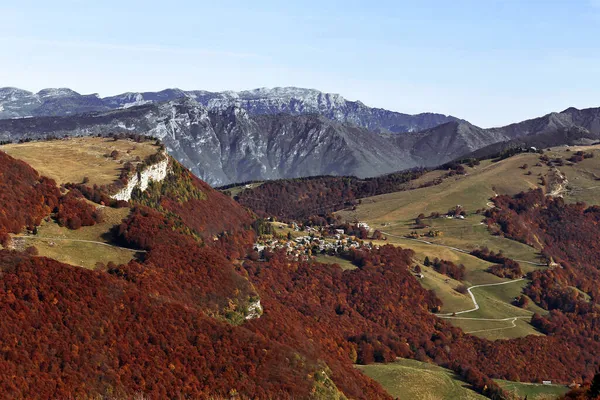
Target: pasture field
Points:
x,y
342,262
411,379
533,391
394,215
84,247
81,157
81,254
234,191
472,191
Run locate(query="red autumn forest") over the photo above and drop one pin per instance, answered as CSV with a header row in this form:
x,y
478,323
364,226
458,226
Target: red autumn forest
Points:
x,y
171,323
302,198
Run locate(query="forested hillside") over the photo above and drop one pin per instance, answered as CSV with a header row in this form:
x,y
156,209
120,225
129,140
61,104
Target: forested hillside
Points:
x,y
194,315
305,197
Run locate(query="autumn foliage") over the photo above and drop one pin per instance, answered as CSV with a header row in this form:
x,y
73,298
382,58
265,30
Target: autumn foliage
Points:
x,y
74,212
449,269
172,323
72,333
504,267
302,198
25,197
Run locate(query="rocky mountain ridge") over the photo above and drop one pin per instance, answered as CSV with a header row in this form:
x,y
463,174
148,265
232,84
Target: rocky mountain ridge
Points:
x,y
230,145
224,143
18,103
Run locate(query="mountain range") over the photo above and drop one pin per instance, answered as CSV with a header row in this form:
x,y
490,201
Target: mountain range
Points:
x,y
276,133
16,103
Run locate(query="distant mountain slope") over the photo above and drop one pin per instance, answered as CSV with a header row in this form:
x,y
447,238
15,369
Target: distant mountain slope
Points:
x,y
230,145
453,140
297,101
16,103
438,145
562,136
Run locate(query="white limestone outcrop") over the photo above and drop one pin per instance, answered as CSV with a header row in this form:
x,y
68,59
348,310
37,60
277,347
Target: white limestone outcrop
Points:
x,y
255,310
156,173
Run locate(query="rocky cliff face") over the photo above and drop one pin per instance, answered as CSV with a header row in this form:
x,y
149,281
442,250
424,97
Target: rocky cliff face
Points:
x,y
298,101
15,103
252,140
230,145
156,173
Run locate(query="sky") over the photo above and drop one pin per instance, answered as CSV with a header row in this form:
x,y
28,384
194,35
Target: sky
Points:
x,y
491,62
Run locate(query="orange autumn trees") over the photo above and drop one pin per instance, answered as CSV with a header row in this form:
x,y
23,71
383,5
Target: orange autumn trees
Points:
x,y
172,322
25,196
70,332
74,212
156,326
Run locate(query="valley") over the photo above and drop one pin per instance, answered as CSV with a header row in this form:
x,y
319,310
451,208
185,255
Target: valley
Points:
x,y
300,200
466,281
448,221
484,308
394,215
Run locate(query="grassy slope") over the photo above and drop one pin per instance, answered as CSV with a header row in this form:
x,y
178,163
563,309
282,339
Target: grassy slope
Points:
x,y
61,248
533,391
80,157
494,301
394,214
472,191
343,263
84,255
411,379
583,177
235,190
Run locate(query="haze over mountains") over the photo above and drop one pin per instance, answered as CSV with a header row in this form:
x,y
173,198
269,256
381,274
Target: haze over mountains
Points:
x,y
276,133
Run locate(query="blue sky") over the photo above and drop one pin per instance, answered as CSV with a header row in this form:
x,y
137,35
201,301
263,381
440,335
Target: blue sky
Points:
x,y
491,62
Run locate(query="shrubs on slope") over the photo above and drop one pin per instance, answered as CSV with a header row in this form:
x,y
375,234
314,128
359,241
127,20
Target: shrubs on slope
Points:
x,y
74,212
449,269
504,268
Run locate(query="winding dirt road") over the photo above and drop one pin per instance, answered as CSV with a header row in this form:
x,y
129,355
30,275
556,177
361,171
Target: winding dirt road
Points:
x,y
475,301
78,240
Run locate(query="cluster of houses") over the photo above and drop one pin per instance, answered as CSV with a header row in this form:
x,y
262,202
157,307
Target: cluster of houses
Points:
x,y
310,245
